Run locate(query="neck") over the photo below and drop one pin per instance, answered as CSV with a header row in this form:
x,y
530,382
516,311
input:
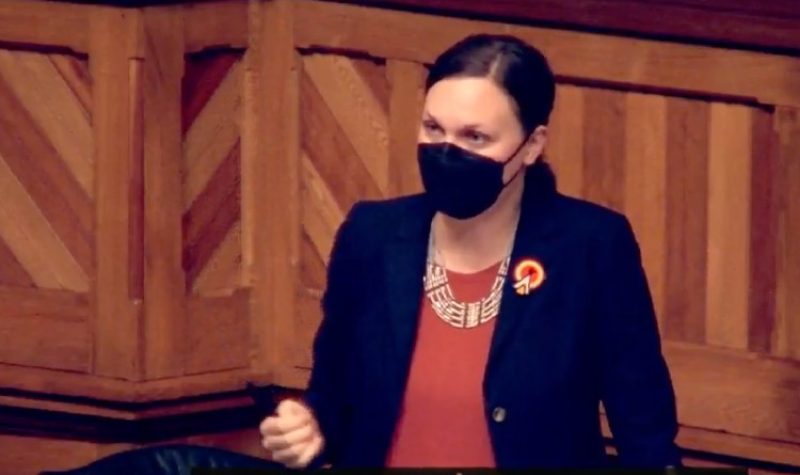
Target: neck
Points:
x,y
473,244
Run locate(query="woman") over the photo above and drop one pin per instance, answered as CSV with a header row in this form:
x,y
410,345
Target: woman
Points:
x,y
481,323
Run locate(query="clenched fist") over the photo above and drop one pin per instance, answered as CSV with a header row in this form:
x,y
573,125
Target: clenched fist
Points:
x,y
292,435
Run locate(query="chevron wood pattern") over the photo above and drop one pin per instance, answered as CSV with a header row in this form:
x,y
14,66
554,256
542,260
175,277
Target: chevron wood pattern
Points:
x,y
211,171
46,171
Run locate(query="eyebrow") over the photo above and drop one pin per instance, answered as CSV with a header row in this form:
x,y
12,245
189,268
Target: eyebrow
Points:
x,y
465,126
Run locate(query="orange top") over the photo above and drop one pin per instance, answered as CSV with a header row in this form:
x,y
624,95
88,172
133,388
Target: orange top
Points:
x,y
442,421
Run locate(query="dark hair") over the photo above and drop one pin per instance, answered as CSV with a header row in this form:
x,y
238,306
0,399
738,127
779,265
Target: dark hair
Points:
x,y
514,65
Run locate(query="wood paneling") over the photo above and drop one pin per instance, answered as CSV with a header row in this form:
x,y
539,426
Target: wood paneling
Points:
x,y
211,172
117,122
687,226
749,23
45,23
45,328
215,25
271,192
646,186
168,203
217,334
30,455
772,79
165,280
786,335
564,150
736,391
407,83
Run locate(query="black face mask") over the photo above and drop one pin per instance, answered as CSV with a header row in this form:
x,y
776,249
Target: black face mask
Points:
x,y
460,183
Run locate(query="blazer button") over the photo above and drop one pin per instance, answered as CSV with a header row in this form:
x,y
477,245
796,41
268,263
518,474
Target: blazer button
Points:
x,y
499,414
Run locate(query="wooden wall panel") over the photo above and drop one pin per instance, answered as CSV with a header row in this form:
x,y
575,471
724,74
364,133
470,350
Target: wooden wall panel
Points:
x,y
771,79
117,105
42,118
218,334
646,186
407,83
45,328
45,23
786,334
191,172
271,190
564,149
687,225
211,172
728,271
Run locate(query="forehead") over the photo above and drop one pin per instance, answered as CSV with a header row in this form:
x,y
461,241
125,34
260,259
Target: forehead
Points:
x,y
458,101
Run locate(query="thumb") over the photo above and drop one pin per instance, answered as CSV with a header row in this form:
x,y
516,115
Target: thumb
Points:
x,y
292,408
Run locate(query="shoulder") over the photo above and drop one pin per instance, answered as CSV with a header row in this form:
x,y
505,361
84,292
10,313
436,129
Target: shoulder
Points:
x,y
383,216
589,218
370,223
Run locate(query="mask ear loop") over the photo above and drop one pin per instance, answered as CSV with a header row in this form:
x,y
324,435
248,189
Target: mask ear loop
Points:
x,y
513,155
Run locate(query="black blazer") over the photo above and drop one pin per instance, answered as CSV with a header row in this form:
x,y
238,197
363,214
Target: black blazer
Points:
x,y
588,334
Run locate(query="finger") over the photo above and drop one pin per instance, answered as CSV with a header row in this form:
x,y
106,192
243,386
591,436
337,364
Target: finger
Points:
x,y
289,455
312,450
302,435
290,407
269,425
277,425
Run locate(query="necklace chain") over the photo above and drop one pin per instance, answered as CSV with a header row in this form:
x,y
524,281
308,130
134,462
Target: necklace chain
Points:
x,y
454,312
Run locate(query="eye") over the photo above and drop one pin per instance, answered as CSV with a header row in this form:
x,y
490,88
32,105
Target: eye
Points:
x,y
431,127
475,137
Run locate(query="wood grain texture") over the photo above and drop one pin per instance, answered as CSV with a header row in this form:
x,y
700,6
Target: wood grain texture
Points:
x,y
211,217
117,103
212,135
687,225
222,273
752,395
30,236
271,191
786,340
646,186
31,455
218,332
49,186
53,106
728,271
565,139
771,79
165,281
313,270
68,383
45,23
203,76
765,195
215,24
407,80
45,328
770,24
75,72
11,270
604,148
355,109
337,161
321,216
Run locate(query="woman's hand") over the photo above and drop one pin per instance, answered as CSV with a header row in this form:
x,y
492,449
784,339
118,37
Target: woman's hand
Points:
x,y
292,436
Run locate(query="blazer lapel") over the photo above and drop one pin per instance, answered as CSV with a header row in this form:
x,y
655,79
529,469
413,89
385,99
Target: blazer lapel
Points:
x,y
535,231
404,262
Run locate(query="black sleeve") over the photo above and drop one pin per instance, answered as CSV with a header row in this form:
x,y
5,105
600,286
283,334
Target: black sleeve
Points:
x,y
636,387
324,396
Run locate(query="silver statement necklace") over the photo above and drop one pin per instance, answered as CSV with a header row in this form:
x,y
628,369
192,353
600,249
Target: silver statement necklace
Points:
x,y
456,313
